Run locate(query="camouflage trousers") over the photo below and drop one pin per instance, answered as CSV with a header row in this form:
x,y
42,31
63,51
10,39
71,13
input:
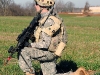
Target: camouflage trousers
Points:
x,y
46,59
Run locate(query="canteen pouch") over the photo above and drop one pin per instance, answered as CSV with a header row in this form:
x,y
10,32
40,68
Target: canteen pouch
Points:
x,y
60,48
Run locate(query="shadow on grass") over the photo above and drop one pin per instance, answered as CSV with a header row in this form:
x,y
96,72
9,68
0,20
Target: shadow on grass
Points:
x,y
63,67
66,66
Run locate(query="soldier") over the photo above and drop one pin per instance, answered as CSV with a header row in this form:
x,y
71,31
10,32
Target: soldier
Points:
x,y
48,44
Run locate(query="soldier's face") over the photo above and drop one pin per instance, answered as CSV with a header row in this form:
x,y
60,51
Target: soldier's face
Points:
x,y
37,8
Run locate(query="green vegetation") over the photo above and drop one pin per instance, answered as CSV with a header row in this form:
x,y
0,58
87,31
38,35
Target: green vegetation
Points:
x,y
83,45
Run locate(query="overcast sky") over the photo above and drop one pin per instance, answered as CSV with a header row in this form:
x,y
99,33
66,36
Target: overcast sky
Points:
x,y
78,3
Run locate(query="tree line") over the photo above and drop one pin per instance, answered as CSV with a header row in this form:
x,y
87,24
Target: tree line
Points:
x,y
10,8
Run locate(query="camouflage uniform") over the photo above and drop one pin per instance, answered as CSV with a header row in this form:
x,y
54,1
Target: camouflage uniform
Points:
x,y
39,51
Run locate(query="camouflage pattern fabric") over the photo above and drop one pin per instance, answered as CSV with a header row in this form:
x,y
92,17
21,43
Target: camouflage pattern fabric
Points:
x,y
32,53
49,68
39,51
46,58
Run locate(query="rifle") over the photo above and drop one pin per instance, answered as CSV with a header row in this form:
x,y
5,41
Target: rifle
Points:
x,y
24,37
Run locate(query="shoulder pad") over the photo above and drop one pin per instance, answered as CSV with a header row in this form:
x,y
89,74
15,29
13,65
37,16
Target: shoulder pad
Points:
x,y
50,21
52,27
55,19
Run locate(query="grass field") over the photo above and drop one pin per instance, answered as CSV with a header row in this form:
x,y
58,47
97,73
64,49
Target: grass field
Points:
x,y
83,47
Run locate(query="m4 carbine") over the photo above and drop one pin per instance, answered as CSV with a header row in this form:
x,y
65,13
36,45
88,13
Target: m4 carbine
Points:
x,y
24,37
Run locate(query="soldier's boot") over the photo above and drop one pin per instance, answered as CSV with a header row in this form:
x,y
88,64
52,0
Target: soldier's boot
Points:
x,y
81,71
27,73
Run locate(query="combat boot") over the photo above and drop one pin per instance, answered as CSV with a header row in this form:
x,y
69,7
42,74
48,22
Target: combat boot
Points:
x,y
27,73
81,71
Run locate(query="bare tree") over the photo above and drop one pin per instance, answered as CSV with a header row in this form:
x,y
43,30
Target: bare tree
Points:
x,y
59,6
69,6
15,10
4,4
8,7
30,9
86,9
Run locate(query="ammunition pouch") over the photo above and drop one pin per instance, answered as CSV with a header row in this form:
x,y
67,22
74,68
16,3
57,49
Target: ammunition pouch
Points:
x,y
59,48
51,30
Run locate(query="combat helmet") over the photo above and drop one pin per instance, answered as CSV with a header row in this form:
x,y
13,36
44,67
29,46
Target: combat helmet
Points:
x,y
45,3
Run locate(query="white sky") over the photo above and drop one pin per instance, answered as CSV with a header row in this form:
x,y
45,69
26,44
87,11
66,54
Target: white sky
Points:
x,y
78,3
